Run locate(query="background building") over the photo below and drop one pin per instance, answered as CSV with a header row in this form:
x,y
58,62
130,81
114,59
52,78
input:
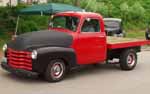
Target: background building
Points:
x,y
8,2
32,1
15,2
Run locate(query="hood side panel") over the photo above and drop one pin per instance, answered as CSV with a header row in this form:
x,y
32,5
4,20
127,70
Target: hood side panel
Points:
x,y
41,39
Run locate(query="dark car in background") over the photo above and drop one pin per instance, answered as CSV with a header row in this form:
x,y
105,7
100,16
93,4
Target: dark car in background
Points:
x,y
147,34
114,27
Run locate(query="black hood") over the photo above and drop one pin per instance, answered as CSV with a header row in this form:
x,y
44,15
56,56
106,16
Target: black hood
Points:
x,y
38,39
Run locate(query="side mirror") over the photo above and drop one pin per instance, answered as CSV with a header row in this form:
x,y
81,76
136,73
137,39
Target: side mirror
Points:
x,y
88,19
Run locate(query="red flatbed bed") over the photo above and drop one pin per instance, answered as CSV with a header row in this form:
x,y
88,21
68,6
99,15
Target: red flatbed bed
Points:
x,y
118,42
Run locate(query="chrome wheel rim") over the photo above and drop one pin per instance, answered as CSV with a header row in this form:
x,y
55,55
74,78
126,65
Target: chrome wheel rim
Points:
x,y
131,59
57,70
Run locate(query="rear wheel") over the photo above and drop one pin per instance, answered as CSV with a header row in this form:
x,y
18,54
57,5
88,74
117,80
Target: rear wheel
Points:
x,y
128,59
55,71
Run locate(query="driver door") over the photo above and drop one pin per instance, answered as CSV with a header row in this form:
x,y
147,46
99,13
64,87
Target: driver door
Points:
x,y
91,46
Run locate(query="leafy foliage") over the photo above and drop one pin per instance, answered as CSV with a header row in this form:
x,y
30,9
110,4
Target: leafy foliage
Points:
x,y
8,19
135,14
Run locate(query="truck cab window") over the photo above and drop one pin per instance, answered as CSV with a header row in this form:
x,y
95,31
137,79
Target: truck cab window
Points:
x,y
90,25
65,22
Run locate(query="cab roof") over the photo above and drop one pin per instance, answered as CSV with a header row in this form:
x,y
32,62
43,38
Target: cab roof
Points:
x,y
80,14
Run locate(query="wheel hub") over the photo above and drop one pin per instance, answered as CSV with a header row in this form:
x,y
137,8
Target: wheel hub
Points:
x,y
57,70
131,59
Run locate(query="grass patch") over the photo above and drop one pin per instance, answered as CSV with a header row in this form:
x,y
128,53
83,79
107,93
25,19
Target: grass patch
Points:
x,y
135,34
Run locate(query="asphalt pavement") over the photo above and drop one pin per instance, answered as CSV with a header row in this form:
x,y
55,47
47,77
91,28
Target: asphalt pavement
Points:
x,y
104,79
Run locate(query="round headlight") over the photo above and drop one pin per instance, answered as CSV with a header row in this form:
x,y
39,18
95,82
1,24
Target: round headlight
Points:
x,y
5,47
34,54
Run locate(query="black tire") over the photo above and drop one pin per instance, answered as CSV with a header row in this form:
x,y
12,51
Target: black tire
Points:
x,y
55,71
128,59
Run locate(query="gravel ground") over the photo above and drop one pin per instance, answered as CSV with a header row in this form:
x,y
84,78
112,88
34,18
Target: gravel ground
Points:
x,y
146,48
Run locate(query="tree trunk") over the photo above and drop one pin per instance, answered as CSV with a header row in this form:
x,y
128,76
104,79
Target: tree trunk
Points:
x,y
76,2
10,3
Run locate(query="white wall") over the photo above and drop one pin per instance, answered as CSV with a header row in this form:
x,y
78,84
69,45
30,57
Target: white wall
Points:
x,y
42,1
6,2
15,2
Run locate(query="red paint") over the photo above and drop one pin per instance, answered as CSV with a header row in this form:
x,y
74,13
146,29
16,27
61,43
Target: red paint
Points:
x,y
91,47
127,44
19,59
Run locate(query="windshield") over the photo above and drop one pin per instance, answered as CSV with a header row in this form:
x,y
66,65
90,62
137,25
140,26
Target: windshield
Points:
x,y
112,24
65,22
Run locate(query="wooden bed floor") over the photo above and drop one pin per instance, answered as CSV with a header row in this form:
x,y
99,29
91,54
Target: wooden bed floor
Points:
x,y
115,40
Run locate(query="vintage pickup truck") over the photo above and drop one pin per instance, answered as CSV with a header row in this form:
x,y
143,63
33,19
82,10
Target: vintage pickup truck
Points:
x,y
72,39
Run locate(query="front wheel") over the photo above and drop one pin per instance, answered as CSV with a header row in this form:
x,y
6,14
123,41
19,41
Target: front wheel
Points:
x,y
55,71
128,59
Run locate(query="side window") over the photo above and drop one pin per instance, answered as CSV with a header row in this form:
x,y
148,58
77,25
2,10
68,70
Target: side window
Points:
x,y
91,25
59,22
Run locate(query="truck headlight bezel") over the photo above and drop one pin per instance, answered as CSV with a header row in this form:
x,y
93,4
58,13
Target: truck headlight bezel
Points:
x,y
4,48
34,54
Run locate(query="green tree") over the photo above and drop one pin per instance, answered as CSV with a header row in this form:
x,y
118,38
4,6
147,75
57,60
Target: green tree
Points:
x,y
137,12
103,9
124,8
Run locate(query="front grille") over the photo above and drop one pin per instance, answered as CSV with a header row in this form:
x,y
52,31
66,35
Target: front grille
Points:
x,y
19,59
